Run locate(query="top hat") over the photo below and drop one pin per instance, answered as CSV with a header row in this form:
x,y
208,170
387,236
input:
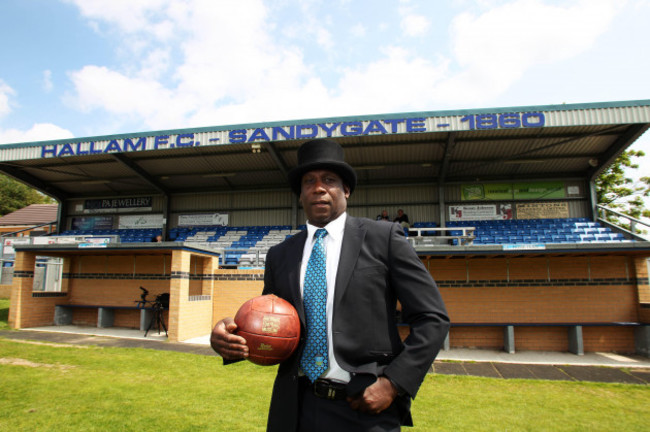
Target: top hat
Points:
x,y
321,154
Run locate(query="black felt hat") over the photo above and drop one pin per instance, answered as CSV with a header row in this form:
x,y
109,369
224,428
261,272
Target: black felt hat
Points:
x,y
321,154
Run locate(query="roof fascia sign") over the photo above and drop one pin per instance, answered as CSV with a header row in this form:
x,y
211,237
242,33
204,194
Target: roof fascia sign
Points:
x,y
390,124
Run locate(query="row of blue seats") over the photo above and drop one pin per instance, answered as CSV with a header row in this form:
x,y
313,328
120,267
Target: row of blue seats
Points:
x,y
539,232
556,238
221,228
252,232
121,231
425,225
520,231
233,257
130,235
246,238
520,221
571,230
528,224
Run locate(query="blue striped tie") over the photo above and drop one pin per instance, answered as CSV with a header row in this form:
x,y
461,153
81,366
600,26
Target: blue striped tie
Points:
x,y
314,357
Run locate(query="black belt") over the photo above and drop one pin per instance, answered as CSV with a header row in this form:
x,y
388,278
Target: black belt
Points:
x,y
326,389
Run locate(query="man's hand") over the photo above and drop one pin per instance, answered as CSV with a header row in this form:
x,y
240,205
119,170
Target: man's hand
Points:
x,y
375,398
225,343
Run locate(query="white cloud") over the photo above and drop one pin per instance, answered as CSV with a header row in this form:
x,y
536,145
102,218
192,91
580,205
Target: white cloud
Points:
x,y
5,94
494,49
100,87
131,17
229,73
358,30
155,64
38,132
529,32
411,23
221,63
47,81
324,38
414,25
205,62
308,100
398,81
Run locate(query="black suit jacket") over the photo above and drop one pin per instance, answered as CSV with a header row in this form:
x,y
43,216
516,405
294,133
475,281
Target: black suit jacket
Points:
x,y
377,268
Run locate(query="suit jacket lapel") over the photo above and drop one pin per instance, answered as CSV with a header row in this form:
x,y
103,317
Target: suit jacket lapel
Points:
x,y
294,261
352,239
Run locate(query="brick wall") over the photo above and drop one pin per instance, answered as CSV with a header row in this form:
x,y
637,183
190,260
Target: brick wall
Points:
x,y
524,289
191,291
541,289
642,266
233,288
114,279
28,309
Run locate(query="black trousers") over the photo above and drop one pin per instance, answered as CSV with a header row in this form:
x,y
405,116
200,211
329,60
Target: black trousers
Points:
x,y
324,415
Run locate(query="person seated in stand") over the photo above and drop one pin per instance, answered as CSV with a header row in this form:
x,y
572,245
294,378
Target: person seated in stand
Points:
x,y
402,218
383,216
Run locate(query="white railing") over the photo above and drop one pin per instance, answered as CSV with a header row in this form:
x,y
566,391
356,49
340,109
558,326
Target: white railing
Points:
x,y
634,231
416,237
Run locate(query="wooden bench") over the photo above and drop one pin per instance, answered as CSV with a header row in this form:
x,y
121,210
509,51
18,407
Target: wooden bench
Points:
x,y
576,345
105,314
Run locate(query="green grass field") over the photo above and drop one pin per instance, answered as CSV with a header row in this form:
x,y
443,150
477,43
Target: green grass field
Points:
x,y
49,387
4,313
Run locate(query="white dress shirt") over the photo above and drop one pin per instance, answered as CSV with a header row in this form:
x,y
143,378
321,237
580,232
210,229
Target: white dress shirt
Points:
x,y
332,242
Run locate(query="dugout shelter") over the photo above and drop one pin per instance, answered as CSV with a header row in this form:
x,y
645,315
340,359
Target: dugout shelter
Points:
x,y
501,203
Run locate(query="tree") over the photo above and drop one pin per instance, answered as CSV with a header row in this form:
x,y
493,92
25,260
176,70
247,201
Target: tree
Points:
x,y
617,191
15,195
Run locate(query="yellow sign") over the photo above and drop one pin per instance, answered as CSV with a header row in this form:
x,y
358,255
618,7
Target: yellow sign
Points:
x,y
549,210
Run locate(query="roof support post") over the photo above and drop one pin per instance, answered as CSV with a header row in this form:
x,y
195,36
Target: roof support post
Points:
x,y
165,223
294,211
441,205
442,177
61,213
593,200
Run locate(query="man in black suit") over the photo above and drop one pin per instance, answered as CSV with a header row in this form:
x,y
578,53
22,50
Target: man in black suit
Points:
x,y
371,374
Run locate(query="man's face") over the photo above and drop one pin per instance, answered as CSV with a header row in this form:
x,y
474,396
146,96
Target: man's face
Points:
x,y
323,196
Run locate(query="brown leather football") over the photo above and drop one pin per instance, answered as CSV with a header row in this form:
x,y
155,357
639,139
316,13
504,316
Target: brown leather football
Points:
x,y
271,328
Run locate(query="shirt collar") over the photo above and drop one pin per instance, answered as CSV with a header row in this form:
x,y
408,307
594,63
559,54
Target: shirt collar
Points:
x,y
334,228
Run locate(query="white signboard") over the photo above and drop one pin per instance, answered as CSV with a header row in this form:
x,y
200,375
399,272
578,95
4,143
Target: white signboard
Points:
x,y
205,219
480,212
141,221
10,242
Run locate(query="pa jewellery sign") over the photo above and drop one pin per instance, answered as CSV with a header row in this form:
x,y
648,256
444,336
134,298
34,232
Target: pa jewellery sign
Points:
x,y
117,205
307,130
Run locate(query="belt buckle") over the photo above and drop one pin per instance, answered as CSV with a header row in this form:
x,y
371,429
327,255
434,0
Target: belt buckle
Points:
x,y
325,389
321,388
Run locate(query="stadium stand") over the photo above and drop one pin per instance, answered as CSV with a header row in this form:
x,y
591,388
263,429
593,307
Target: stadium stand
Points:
x,y
243,246
527,231
425,225
246,246
126,235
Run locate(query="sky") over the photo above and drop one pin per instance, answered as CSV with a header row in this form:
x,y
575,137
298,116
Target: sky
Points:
x,y
81,68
